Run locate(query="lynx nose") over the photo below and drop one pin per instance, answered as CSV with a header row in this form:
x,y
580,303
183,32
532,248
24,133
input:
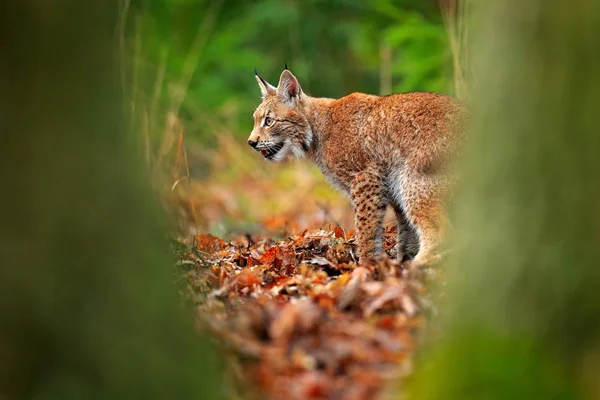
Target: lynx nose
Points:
x,y
252,143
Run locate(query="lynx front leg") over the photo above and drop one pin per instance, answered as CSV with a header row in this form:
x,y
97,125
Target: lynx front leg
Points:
x,y
369,210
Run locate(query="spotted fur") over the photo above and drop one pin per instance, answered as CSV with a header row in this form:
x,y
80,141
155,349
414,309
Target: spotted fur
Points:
x,y
392,150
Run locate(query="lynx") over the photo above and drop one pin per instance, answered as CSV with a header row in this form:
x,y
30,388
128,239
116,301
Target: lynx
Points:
x,y
379,150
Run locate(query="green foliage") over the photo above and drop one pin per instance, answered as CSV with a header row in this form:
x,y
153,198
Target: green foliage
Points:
x,y
333,46
422,56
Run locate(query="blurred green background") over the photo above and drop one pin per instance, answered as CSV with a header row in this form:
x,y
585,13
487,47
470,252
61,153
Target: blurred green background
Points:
x,y
197,57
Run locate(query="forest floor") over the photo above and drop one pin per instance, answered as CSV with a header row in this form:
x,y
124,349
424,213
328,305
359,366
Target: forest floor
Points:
x,y
299,319
294,313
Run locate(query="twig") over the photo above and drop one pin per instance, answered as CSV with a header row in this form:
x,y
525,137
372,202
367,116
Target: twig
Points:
x,y
189,179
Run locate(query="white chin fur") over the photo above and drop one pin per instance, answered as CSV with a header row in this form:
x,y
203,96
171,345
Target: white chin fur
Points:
x,y
288,150
282,153
297,151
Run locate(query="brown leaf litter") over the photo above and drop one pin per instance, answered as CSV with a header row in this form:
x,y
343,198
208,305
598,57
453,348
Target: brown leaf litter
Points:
x,y
302,319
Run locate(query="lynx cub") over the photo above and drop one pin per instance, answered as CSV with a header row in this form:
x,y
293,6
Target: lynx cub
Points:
x,y
377,150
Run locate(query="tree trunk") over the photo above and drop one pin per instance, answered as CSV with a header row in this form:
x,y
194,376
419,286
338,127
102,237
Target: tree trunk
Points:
x,y
523,303
87,300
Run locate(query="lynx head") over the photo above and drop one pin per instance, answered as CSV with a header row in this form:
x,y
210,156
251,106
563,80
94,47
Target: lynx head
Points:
x,y
280,124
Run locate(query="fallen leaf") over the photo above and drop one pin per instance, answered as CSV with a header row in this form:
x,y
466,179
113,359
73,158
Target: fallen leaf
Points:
x,y
208,243
249,277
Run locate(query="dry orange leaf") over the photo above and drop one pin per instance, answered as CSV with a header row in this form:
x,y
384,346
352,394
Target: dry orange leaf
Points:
x,y
249,277
338,232
208,243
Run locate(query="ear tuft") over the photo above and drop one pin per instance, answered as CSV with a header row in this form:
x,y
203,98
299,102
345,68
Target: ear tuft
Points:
x,y
289,88
265,87
286,66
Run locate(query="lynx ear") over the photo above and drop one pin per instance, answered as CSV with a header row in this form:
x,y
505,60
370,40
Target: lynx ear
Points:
x,y
265,87
289,89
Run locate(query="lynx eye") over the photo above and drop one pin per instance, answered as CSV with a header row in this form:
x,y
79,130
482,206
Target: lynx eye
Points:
x,y
269,121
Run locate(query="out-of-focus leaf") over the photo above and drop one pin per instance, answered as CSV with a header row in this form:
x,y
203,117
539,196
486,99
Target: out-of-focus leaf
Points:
x,y
307,321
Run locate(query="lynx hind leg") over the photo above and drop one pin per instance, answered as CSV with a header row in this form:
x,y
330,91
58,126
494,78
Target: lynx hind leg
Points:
x,y
369,211
423,200
408,242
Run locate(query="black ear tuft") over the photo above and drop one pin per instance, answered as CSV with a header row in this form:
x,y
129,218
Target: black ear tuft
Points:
x,y
265,87
260,77
286,66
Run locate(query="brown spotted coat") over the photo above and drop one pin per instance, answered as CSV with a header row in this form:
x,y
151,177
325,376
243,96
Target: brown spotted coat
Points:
x,y
392,150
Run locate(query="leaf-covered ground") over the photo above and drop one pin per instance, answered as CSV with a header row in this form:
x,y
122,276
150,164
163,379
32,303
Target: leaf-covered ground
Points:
x,y
300,319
